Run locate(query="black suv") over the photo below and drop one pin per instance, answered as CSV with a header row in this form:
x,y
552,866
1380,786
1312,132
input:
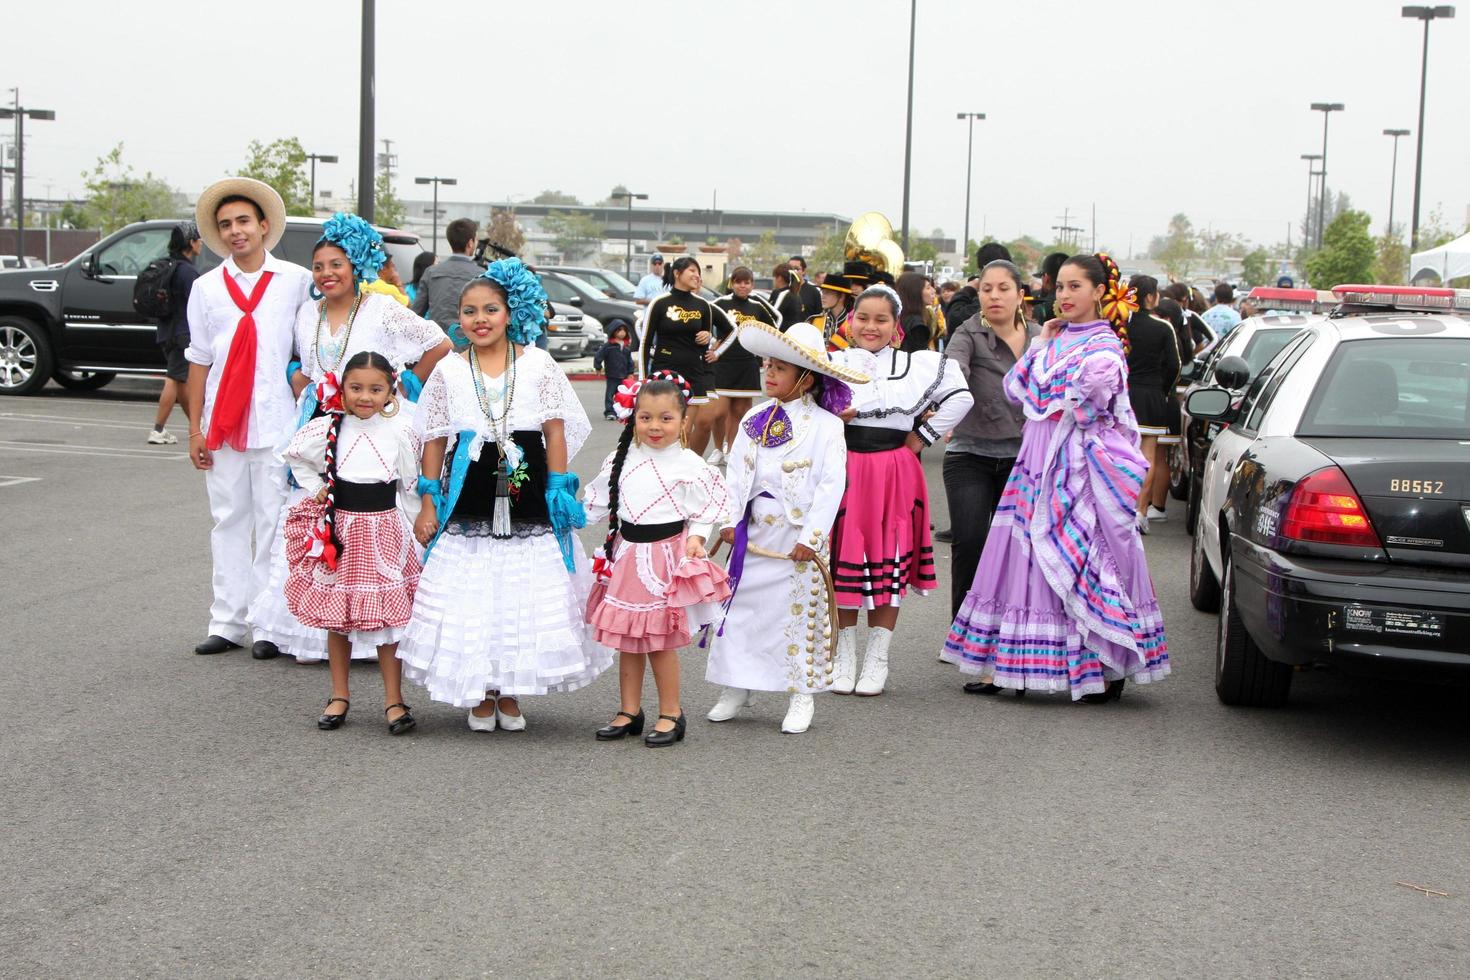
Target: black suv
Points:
x,y
76,323
563,287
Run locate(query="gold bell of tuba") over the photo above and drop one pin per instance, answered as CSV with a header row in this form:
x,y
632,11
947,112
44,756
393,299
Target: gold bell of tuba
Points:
x,y
870,240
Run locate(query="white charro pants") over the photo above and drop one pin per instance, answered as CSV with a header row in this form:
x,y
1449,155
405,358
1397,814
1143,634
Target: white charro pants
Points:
x,y
246,493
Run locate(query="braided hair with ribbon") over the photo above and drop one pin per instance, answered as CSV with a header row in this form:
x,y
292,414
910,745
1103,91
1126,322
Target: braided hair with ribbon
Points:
x,y
625,405
327,544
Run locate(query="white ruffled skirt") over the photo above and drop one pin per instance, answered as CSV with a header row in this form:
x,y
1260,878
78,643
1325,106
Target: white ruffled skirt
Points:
x,y
500,615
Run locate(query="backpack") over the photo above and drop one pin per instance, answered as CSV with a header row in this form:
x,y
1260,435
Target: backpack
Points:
x,y
153,294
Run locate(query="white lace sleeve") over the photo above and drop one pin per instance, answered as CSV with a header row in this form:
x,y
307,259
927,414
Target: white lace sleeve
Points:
x,y
409,336
557,399
433,417
306,454
595,494
703,497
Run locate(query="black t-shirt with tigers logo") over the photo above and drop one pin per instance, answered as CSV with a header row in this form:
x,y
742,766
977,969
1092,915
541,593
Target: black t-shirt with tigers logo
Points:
x,y
740,312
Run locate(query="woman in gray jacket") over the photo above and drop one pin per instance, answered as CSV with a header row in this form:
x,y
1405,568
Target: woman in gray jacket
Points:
x,y
978,459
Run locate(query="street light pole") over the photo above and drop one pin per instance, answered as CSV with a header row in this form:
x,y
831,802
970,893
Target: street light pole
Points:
x,y
1311,158
367,142
436,181
631,197
1327,109
19,114
1425,14
1393,175
908,132
969,160
315,158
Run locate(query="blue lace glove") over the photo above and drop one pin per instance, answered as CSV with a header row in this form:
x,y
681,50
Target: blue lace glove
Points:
x,y
412,386
565,511
434,489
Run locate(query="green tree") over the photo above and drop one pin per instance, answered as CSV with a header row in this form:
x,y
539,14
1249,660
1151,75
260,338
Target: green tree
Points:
x,y
1179,250
1256,267
1347,253
827,254
1391,266
505,231
554,197
117,196
282,164
573,234
388,210
764,254
922,250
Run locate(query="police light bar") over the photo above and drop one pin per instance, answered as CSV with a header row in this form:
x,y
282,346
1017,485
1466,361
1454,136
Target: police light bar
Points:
x,y
1285,300
1432,299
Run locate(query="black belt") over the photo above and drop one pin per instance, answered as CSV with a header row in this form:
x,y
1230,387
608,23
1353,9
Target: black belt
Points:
x,y
870,439
649,533
366,498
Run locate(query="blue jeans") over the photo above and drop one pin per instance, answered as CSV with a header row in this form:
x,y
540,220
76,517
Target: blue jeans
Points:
x,y
607,397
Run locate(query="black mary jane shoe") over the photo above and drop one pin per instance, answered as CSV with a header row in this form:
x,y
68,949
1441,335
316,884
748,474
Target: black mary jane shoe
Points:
x,y
330,723
215,644
611,733
989,689
403,723
264,650
1113,693
657,739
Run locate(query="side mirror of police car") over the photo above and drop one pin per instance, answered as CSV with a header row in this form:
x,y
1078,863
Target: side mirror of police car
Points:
x,y
1232,372
1210,404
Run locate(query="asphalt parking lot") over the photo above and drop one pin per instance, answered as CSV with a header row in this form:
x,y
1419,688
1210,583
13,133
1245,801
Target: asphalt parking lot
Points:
x,y
170,814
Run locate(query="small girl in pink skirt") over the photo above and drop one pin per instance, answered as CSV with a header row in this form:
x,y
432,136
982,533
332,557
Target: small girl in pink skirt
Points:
x,y
655,583
354,565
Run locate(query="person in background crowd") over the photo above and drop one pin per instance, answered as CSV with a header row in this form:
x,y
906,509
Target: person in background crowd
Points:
x,y
184,246
389,283
983,447
1222,317
651,286
242,318
966,300
1248,309
934,315
947,289
738,379
615,359
1169,311
784,298
1046,298
914,333
1197,301
679,333
1152,352
421,263
836,308
1198,332
442,282
811,296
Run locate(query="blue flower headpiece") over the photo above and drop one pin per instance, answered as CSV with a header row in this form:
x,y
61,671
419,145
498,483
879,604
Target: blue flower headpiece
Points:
x,y
526,298
363,245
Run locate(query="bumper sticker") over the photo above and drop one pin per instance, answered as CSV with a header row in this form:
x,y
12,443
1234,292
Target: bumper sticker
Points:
x,y
1397,622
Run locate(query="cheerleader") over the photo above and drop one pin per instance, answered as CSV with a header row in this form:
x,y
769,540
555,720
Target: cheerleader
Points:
x,y
499,608
655,582
737,370
836,308
678,335
880,544
353,564
787,472
348,319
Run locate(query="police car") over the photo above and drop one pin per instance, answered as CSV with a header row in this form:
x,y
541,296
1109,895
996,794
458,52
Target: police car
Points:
x,y
1334,518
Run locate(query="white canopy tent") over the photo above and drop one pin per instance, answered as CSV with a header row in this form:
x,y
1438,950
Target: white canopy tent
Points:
x,y
1448,261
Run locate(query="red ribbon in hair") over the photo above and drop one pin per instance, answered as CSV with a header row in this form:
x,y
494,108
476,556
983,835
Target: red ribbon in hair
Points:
x,y
329,394
229,423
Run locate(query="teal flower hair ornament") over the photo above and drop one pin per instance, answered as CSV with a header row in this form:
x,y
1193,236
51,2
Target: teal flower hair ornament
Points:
x,y
361,242
526,298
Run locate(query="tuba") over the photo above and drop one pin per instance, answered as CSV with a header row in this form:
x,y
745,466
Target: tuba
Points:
x,y
870,239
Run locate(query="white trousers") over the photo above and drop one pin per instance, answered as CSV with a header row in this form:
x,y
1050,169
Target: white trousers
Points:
x,y
246,493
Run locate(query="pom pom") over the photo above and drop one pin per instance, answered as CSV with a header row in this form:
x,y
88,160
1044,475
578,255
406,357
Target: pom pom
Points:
x,y
361,242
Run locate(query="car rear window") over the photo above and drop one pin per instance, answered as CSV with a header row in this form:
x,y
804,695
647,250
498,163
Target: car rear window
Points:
x,y
1264,345
1415,388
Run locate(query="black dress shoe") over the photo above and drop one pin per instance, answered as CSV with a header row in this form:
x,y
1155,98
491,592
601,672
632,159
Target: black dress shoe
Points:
x,y
987,688
946,536
1113,693
330,723
611,733
657,739
215,644
264,650
403,723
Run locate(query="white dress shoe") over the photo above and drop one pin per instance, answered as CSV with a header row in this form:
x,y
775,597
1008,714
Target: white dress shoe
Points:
x,y
486,724
510,723
799,716
875,663
844,667
732,700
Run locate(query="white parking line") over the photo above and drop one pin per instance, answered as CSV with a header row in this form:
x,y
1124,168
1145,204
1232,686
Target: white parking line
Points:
x,y
68,450
15,481
67,420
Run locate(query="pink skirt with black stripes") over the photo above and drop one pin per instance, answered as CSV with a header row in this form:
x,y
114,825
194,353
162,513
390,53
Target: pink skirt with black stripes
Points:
x,y
880,544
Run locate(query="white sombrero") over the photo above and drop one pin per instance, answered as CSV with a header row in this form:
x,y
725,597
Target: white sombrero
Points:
x,y
261,193
801,345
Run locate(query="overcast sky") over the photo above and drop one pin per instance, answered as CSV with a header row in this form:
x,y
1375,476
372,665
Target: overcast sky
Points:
x,y
1143,108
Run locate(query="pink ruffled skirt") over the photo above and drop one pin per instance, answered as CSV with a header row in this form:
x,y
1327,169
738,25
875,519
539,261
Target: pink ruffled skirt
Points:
x,y
656,597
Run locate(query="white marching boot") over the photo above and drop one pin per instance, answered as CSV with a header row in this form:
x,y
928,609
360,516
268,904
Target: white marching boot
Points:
x,y
875,662
844,667
799,716
732,701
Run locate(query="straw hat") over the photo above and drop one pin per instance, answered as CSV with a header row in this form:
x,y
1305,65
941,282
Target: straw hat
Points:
x,y
801,345
261,193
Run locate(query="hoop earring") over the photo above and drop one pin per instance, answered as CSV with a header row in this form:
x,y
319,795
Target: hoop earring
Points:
x,y
384,410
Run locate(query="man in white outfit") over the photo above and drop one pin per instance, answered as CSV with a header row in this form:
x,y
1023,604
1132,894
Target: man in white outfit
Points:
x,y
241,318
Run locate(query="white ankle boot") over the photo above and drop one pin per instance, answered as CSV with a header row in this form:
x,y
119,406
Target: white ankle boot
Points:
x,y
799,716
732,701
844,664
875,662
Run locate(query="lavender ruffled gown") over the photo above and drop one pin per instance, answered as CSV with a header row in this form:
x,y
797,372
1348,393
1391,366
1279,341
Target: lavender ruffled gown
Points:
x,y
1062,600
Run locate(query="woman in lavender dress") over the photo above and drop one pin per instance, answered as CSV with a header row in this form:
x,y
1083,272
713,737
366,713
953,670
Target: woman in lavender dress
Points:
x,y
1062,600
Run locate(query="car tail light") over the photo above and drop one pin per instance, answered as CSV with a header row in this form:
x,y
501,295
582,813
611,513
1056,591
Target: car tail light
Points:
x,y
1326,509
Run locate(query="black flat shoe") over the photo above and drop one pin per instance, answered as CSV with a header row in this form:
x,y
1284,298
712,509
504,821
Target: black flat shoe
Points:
x,y
330,723
989,689
264,650
1113,693
403,723
215,644
946,536
611,733
657,739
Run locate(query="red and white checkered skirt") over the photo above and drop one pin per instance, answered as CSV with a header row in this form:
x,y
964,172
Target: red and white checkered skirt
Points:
x,y
370,595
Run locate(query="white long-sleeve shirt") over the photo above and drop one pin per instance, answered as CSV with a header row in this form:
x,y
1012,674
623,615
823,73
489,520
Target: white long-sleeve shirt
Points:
x,y
905,385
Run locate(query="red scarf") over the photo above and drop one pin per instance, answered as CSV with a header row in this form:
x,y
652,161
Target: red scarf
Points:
x,y
230,421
